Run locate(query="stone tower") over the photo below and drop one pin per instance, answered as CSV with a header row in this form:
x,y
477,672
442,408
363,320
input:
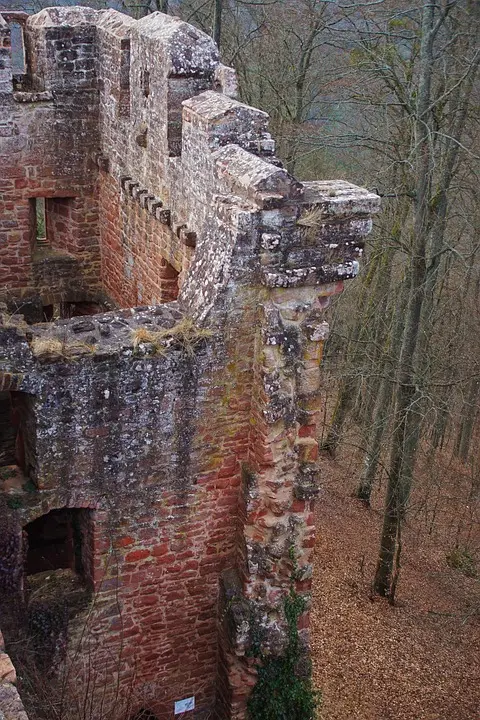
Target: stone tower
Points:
x,y
164,282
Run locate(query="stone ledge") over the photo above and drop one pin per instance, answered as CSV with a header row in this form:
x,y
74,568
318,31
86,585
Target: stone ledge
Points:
x,y
146,331
310,276
33,97
254,178
340,199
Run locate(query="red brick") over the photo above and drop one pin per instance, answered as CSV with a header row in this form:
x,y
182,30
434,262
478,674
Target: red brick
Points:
x,y
136,555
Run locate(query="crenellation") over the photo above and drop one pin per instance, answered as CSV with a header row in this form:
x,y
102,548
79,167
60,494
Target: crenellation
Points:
x,y
162,328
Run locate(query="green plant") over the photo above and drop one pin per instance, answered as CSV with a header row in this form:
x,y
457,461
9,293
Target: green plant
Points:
x,y
460,558
7,472
29,487
14,503
282,692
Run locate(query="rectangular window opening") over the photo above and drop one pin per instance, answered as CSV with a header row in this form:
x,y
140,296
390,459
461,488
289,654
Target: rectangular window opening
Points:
x,y
19,65
61,540
40,221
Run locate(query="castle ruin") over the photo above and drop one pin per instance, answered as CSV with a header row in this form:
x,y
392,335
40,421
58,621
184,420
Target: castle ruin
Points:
x,y
163,283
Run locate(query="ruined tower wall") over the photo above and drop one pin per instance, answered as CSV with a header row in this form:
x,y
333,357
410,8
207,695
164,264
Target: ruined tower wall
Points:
x,y
182,427
48,148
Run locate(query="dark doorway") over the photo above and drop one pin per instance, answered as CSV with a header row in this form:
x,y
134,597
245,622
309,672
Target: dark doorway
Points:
x,y
144,715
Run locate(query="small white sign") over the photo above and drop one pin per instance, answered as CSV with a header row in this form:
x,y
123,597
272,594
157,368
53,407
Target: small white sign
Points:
x,y
185,705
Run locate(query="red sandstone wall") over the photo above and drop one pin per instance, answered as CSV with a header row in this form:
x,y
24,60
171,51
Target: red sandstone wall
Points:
x,y
167,561
47,149
27,173
141,257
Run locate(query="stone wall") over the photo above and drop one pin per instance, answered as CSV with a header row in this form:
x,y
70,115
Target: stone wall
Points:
x,y
181,423
11,706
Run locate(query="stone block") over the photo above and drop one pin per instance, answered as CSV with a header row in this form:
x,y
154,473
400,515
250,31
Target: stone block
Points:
x,y
7,671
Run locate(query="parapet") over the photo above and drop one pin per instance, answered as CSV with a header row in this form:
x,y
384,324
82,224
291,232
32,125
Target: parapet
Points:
x,y
144,110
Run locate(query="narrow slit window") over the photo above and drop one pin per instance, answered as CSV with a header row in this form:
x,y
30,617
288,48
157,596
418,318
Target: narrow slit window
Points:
x,y
8,431
19,65
145,82
40,221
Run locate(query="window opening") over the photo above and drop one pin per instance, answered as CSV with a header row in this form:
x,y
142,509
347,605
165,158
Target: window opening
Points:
x,y
40,221
8,431
168,281
80,309
145,82
19,65
48,313
61,539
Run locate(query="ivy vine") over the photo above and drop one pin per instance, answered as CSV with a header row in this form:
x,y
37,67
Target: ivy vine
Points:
x,y
281,692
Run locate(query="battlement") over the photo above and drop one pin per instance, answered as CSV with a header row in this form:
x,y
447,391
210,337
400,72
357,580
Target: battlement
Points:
x,y
164,281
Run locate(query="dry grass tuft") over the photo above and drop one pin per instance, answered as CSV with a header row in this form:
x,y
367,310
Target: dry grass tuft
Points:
x,y
52,348
185,333
310,221
73,349
142,336
311,218
48,348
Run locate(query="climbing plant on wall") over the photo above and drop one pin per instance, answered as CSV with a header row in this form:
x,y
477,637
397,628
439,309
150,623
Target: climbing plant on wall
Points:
x,y
282,692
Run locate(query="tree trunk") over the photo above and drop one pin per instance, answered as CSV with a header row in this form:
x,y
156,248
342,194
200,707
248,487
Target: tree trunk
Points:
x,y
349,384
405,435
469,413
383,405
217,21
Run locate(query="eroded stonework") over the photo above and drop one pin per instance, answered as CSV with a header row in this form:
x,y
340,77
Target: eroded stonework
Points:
x,y
159,365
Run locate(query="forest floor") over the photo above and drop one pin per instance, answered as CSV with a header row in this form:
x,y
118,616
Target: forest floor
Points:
x,y
417,660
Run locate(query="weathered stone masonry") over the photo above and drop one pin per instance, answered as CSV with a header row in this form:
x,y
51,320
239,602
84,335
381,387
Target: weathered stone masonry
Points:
x,y
168,443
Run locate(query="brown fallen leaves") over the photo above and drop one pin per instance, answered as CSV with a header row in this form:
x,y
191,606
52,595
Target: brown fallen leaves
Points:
x,y
419,660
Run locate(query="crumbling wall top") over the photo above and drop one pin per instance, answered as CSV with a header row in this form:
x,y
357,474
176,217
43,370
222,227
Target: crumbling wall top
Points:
x,y
115,23
255,179
62,17
211,106
181,49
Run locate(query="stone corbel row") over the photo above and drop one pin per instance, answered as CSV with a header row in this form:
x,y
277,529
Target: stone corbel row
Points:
x,y
155,207
186,236
148,202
